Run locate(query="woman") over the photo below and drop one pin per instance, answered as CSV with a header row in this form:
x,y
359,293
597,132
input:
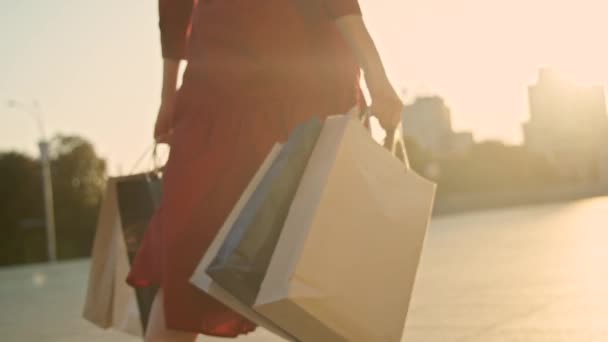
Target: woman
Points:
x,y
256,69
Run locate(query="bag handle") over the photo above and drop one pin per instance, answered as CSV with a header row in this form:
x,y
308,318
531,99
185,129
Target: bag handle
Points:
x,y
152,152
149,176
393,141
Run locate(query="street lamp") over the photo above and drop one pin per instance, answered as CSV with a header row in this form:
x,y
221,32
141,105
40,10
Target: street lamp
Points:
x,y
47,183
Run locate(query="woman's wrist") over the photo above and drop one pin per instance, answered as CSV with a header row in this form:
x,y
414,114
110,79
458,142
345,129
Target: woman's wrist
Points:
x,y
169,86
168,94
377,83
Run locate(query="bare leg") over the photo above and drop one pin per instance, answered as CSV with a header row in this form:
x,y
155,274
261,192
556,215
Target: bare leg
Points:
x,y
157,330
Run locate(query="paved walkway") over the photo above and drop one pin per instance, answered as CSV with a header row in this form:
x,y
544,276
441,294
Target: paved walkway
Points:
x,y
530,275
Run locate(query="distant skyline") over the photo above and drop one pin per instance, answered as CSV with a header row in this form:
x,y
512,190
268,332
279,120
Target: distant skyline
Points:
x,y
94,67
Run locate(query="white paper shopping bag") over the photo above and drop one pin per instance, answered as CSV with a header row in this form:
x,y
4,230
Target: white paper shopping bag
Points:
x,y
346,261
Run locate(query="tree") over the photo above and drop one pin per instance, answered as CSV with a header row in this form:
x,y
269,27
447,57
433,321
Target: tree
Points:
x,y
20,209
78,182
78,177
493,166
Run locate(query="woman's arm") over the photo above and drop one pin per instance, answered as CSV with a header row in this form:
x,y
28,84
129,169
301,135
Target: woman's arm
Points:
x,y
174,25
386,104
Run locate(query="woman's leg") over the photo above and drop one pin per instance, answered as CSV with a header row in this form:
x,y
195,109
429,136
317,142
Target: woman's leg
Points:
x,y
157,330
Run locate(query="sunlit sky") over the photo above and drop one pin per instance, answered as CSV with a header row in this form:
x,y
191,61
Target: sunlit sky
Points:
x,y
95,66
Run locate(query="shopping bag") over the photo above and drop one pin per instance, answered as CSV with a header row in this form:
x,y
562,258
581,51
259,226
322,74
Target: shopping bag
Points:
x,y
100,290
346,260
202,280
138,197
127,207
240,264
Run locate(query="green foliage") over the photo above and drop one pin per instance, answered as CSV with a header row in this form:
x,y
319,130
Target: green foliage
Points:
x,y
78,184
20,206
488,167
78,177
493,167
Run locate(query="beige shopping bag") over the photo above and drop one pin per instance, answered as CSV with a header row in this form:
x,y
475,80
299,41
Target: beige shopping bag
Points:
x,y
126,208
346,260
202,280
98,302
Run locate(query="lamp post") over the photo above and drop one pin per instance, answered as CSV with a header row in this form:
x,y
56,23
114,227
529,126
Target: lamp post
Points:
x,y
47,183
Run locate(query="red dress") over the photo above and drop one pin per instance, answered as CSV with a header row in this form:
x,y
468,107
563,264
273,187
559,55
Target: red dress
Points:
x,y
256,69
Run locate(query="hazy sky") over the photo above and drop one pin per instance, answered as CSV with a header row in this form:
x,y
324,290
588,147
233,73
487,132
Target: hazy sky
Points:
x,y
94,66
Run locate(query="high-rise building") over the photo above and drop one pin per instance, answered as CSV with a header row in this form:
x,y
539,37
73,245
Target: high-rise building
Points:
x,y
428,122
569,126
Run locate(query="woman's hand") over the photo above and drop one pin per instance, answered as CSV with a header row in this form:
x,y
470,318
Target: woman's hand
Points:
x,y
164,120
386,106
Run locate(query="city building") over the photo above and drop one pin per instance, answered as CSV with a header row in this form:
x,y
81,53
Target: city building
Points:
x,y
568,125
428,122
